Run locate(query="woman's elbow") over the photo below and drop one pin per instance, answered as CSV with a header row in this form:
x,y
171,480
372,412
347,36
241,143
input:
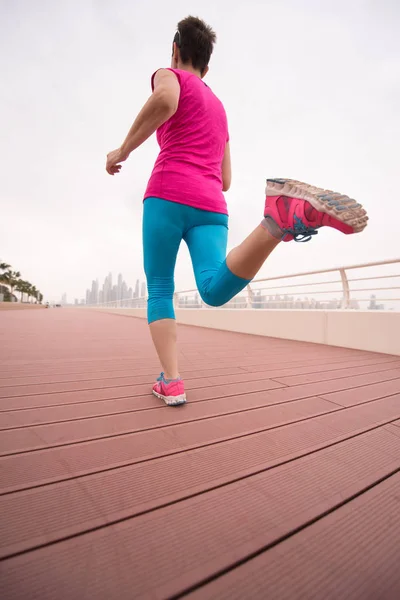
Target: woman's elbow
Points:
x,y
226,185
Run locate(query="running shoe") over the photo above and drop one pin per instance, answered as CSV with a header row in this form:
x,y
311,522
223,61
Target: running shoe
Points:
x,y
300,210
172,391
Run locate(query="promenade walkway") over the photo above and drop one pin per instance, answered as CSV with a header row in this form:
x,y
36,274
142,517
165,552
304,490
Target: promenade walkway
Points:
x,y
279,479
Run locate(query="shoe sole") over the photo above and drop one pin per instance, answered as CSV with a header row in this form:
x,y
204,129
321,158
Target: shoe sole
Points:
x,y
171,400
337,205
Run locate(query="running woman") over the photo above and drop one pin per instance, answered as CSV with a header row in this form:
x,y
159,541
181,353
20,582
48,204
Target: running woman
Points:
x,y
184,199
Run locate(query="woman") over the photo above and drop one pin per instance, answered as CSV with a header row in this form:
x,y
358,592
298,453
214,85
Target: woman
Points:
x,y
184,198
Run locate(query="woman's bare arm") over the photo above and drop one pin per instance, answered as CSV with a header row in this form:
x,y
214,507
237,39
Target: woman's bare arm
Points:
x,y
160,107
226,169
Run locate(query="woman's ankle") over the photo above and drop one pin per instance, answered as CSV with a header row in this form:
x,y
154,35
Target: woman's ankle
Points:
x,y
171,375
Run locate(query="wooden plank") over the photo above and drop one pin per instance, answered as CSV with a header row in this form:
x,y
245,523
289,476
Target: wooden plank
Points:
x,y
366,393
338,373
123,493
232,522
288,431
324,561
45,436
209,374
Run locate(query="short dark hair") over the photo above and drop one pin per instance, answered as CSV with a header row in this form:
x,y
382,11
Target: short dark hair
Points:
x,y
195,40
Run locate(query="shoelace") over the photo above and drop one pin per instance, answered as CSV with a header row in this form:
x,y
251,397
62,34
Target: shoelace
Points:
x,y
300,232
162,378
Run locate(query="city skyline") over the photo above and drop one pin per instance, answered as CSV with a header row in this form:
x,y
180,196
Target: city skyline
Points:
x,y
110,292
285,301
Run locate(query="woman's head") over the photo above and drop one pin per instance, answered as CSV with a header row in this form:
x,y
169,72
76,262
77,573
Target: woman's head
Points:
x,y
193,45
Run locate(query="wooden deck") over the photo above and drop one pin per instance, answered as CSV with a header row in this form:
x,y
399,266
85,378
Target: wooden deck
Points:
x,y
279,479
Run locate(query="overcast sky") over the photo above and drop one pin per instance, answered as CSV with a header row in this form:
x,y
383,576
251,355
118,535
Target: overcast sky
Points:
x,y
312,92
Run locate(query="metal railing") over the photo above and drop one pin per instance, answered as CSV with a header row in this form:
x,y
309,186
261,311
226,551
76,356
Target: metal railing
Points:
x,y
350,287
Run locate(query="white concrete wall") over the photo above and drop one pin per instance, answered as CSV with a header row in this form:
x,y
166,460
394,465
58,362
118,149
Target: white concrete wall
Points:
x,y
377,331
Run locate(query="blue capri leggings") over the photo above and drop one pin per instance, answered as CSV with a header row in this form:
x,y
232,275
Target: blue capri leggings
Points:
x,y
165,225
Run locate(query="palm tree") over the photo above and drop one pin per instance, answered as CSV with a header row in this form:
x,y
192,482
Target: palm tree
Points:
x,y
4,275
28,290
24,287
27,286
21,287
12,278
34,292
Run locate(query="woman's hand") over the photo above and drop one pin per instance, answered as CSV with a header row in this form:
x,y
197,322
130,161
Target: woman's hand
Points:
x,y
114,159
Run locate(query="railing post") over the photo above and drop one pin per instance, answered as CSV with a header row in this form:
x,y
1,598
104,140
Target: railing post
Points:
x,y
249,299
346,289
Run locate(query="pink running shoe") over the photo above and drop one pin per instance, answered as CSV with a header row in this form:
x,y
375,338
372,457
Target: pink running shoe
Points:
x,y
300,210
172,391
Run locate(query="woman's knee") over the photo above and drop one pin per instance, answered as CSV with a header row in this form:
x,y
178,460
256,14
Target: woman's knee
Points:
x,y
160,298
222,287
160,287
211,298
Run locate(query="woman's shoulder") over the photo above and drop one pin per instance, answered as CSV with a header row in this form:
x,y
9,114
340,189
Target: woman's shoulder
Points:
x,y
180,75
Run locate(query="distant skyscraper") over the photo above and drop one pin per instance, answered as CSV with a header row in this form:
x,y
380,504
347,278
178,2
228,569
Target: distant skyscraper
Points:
x,y
87,296
107,288
119,287
76,301
104,290
136,294
94,294
130,293
64,298
143,289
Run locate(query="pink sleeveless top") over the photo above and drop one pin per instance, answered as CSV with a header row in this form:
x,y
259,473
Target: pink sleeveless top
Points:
x,y
192,145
